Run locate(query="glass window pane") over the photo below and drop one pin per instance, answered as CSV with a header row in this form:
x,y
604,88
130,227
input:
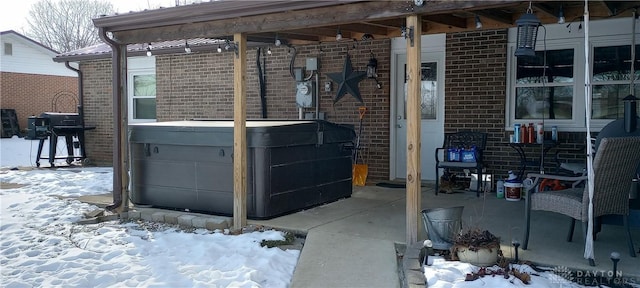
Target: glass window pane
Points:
x,y
428,91
144,85
531,102
607,100
559,67
614,63
144,108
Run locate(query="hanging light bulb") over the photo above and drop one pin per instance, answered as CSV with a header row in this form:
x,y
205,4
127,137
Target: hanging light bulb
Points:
x,y
338,35
187,49
219,49
527,33
561,15
277,42
149,50
269,51
478,22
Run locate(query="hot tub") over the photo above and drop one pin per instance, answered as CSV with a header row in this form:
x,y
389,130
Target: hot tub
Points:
x,y
291,165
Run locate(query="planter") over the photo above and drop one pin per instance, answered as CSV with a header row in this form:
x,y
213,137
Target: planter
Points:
x,y
481,257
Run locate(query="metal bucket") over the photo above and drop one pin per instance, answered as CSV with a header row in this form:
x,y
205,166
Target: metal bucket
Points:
x,y
442,225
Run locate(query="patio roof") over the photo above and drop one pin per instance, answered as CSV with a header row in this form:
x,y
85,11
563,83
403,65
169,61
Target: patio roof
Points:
x,y
306,22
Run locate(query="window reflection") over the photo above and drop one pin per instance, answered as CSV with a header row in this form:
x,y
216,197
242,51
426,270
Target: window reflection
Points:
x,y
612,80
144,96
544,87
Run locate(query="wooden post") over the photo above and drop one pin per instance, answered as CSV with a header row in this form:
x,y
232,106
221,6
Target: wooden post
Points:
x,y
239,131
124,131
414,29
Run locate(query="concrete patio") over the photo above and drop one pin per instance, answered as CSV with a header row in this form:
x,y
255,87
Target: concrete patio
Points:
x,y
352,242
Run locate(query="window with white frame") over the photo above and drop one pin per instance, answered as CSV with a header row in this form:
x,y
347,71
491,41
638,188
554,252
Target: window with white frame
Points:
x,y
141,86
143,96
551,86
544,85
612,80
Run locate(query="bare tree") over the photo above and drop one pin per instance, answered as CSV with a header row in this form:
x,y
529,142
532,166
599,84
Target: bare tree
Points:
x,y
65,25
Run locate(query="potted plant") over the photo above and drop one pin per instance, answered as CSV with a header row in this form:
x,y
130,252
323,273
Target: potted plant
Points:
x,y
477,247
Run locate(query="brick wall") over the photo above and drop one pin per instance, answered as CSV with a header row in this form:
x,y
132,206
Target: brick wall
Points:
x,y
475,89
32,94
98,110
200,85
475,96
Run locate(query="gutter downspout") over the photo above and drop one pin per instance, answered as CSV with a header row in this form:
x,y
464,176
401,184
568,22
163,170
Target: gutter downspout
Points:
x,y
117,123
83,151
80,91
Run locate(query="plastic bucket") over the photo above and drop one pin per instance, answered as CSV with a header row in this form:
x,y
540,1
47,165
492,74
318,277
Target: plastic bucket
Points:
x,y
512,191
442,225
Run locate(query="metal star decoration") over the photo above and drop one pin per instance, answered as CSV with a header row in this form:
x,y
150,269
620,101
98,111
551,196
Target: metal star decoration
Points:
x,y
348,80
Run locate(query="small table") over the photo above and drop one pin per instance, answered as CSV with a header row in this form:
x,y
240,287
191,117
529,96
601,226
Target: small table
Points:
x,y
525,161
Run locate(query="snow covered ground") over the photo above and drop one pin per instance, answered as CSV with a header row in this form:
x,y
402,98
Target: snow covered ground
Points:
x,y
42,247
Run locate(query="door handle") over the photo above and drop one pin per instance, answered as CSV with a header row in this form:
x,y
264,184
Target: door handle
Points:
x,y
399,126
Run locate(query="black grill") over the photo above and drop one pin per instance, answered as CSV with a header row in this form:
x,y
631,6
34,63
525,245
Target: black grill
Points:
x,y
52,125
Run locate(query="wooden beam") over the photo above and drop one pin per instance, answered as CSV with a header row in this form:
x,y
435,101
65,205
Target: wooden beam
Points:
x,y
448,20
609,7
413,128
496,15
365,28
545,9
240,131
318,17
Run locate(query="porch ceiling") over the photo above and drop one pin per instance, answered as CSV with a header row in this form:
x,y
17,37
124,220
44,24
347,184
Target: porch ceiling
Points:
x,y
308,22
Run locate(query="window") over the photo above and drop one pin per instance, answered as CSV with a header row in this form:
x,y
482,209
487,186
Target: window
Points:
x,y
554,90
611,80
545,90
141,89
144,97
429,90
8,49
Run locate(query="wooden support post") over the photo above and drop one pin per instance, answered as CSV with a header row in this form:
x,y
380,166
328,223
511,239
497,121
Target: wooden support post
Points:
x,y
124,131
239,131
414,29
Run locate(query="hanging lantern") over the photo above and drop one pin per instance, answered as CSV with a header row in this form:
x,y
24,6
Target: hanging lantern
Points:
x,y
527,32
372,67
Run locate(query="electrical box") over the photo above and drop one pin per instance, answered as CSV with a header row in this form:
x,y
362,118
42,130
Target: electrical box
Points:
x,y
298,74
312,64
305,94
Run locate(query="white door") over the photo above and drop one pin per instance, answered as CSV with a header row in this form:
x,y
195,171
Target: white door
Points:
x,y
432,113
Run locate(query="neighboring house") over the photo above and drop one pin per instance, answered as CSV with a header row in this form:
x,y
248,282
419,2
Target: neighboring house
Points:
x,y
30,82
471,81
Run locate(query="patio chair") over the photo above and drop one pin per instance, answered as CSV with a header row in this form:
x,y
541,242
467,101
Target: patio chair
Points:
x,y
462,139
614,167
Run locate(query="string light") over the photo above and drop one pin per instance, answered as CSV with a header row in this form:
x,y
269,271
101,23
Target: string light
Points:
x,y
478,22
187,49
149,50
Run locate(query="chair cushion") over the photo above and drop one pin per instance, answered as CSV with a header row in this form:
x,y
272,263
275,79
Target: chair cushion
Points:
x,y
567,202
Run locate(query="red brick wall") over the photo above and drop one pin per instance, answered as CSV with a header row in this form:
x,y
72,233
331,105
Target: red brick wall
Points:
x,y
32,94
200,85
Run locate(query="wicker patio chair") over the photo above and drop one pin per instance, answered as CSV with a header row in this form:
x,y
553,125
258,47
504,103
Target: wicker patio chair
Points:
x,y
614,167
